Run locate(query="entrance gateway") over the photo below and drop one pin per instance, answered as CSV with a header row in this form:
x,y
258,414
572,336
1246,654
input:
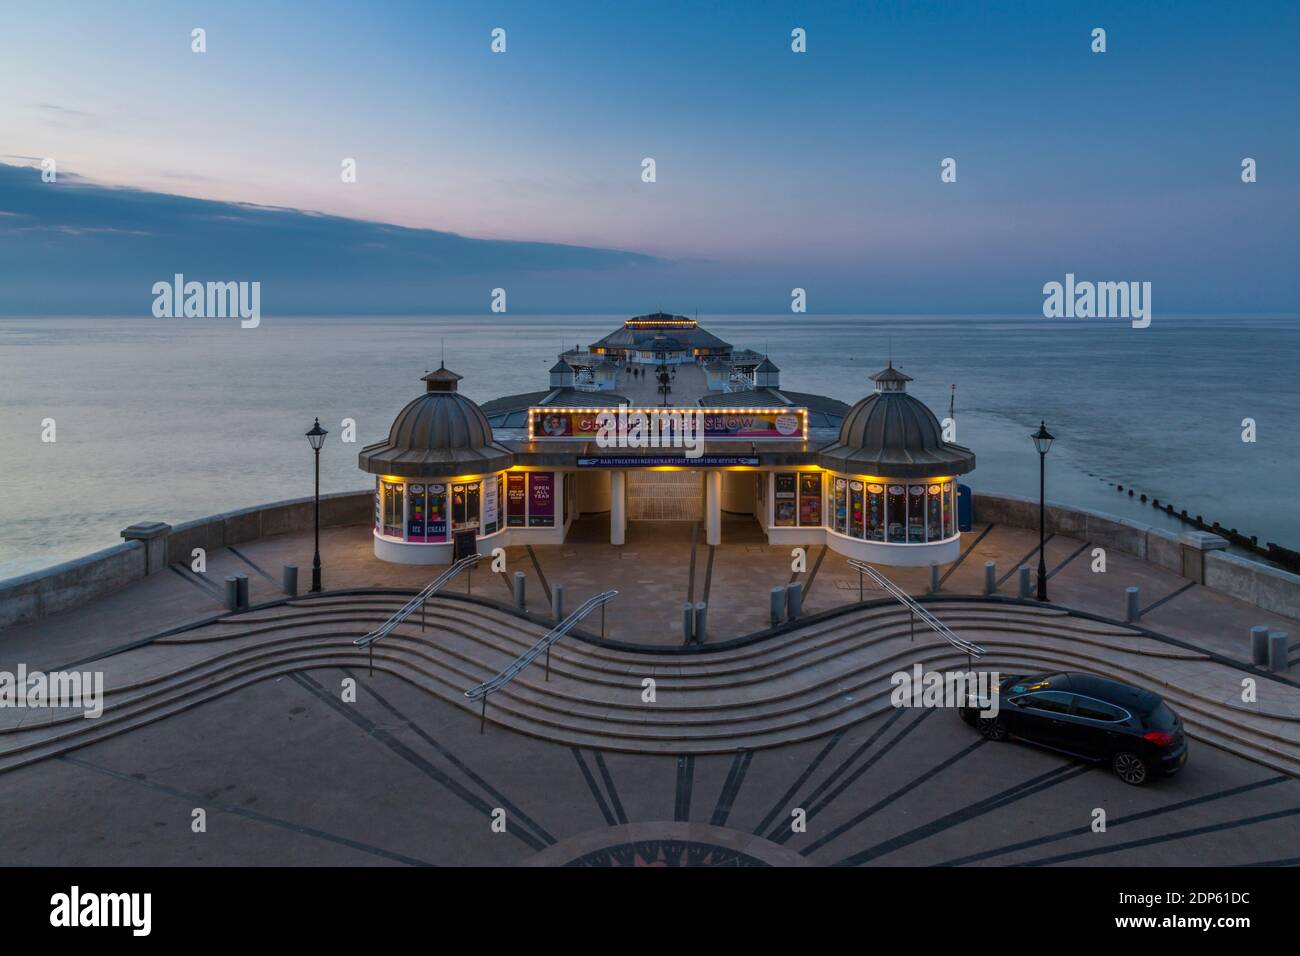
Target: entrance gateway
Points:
x,y
875,481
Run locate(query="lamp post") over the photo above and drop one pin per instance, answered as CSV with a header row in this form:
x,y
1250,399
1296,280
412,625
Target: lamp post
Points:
x,y
1042,442
316,438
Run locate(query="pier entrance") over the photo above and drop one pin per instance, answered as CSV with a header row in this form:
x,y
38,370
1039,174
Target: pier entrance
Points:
x,y
665,495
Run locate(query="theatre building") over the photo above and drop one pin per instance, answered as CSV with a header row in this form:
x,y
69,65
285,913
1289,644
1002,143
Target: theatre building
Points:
x,y
874,481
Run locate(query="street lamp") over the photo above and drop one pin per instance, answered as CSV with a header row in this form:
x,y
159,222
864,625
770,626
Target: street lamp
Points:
x,y
316,438
1042,442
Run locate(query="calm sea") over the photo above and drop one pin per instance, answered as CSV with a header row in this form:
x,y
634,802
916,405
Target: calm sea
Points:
x,y
172,419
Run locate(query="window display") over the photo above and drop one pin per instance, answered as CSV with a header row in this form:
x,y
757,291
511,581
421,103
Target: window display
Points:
x,y
784,504
810,499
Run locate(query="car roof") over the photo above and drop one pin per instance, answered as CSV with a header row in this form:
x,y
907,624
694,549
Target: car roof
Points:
x,y
1103,688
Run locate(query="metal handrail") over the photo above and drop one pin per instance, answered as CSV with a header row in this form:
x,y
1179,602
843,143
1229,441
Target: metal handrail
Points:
x,y
415,604
516,666
969,648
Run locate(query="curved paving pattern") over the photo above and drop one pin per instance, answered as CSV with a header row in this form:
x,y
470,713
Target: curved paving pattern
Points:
x,y
797,686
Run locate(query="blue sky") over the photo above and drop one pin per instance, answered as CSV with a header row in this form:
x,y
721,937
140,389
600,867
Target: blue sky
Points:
x,y
774,169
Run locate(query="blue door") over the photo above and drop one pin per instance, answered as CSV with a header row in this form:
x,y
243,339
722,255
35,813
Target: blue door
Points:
x,y
963,508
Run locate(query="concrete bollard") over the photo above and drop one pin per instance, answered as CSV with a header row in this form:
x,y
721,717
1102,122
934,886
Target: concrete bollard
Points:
x,y
777,596
521,584
232,592
557,601
1259,645
701,622
1277,642
1025,588
241,582
1132,612
990,577
688,622
291,579
934,577
793,600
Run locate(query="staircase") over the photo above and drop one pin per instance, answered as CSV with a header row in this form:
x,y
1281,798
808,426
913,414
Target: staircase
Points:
x,y
795,686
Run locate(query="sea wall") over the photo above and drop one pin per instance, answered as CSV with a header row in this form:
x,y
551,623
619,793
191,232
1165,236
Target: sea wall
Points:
x,y
42,593
1196,555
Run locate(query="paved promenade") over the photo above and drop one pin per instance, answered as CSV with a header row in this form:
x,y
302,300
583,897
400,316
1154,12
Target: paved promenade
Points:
x,y
261,736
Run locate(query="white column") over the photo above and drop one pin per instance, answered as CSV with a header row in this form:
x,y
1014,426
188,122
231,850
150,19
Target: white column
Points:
x,y
713,507
617,506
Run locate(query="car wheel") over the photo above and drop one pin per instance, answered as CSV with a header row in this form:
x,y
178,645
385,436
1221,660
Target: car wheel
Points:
x,y
1130,768
992,728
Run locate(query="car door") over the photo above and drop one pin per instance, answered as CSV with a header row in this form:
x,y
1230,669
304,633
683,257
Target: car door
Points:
x,y
1041,717
1094,727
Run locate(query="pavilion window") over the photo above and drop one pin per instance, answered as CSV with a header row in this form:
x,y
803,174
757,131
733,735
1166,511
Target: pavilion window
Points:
x,y
839,507
949,509
855,509
934,512
875,512
916,514
896,513
394,508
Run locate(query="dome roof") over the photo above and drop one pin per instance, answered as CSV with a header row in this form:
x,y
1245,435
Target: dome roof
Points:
x,y
439,434
894,435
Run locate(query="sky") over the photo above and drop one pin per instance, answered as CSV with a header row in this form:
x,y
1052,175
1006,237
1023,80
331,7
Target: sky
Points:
x,y
774,169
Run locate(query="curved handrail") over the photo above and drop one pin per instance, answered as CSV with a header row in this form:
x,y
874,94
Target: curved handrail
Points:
x,y
942,629
417,602
544,643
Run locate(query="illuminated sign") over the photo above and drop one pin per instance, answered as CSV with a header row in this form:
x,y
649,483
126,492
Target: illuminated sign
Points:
x,y
720,424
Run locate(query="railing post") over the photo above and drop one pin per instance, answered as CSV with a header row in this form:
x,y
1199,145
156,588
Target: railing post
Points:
x,y
371,648
602,620
859,587
911,624
482,716
548,663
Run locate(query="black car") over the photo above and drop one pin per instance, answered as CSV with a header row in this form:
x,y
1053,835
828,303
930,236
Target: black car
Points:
x,y
1091,717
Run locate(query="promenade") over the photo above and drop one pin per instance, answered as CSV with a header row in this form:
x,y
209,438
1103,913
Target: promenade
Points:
x,y
247,716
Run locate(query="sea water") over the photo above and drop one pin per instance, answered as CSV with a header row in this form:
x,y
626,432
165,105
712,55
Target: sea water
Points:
x,y
174,419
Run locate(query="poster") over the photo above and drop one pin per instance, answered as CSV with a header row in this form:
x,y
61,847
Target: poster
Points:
x,y
785,508
810,499
541,499
516,499
489,506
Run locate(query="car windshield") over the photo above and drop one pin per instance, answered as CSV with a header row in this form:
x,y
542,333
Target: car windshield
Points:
x,y
1162,718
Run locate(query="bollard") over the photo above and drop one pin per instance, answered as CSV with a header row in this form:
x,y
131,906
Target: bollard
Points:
x,y
241,582
688,622
557,601
793,600
1277,642
777,596
1132,612
291,579
701,619
1259,645
232,593
1025,589
520,584
990,577
934,577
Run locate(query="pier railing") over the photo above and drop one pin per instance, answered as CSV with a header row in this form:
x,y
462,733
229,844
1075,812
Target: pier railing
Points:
x,y
972,650
415,604
483,690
